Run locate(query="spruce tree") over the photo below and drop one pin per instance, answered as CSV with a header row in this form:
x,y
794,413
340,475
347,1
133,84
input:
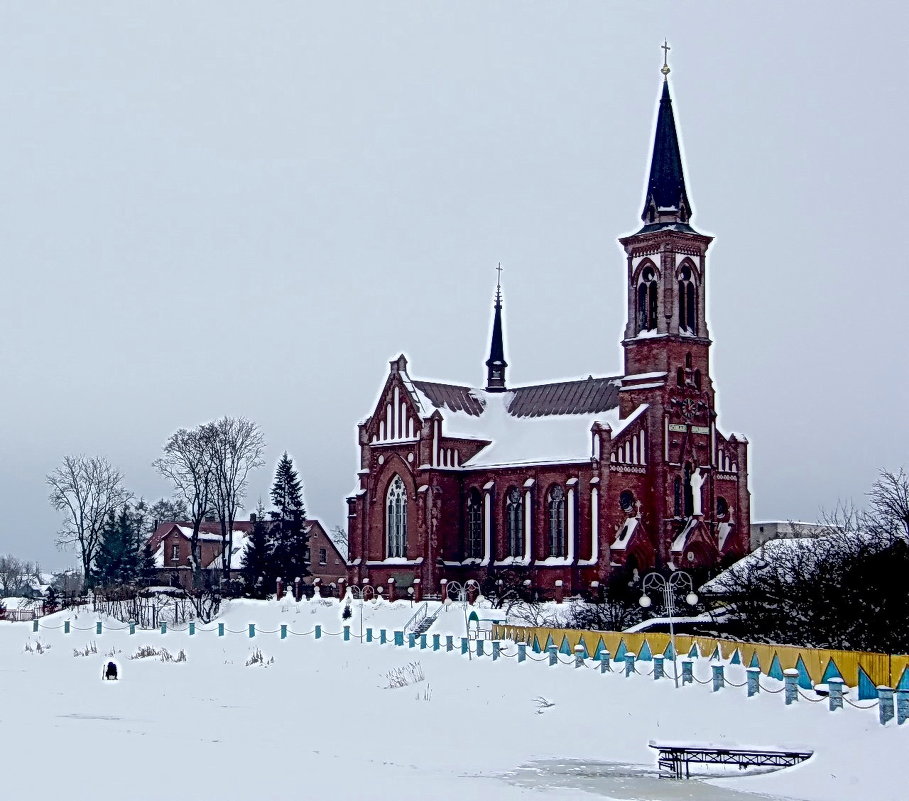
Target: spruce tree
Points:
x,y
289,531
51,600
256,564
120,553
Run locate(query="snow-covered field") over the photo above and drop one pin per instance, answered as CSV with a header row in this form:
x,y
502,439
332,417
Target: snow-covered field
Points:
x,y
321,720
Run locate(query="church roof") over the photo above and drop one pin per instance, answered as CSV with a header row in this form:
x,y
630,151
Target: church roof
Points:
x,y
583,396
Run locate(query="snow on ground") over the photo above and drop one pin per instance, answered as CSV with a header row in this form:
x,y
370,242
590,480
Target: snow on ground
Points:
x,y
320,719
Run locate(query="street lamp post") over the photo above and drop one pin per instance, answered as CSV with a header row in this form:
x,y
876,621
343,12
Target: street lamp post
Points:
x,y
678,582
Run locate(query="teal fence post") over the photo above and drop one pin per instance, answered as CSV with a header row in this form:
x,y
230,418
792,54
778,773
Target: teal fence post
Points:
x,y
411,640
399,638
791,679
132,626
368,635
754,681
465,645
496,648
885,703
579,656
192,628
252,630
66,627
835,692
718,679
902,706
383,636
522,651
220,629
605,661
435,642
553,655
422,642
449,642
98,627
283,631
480,648
164,627
629,662
658,666
346,633
687,672
318,631
35,624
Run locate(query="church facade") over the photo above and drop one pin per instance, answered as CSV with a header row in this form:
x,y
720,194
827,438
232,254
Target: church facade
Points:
x,y
560,484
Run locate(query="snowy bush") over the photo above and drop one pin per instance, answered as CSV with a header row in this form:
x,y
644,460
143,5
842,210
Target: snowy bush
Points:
x,y
147,651
88,650
258,658
411,673
38,648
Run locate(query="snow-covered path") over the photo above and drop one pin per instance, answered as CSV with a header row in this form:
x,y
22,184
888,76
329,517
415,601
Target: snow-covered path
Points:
x,y
321,720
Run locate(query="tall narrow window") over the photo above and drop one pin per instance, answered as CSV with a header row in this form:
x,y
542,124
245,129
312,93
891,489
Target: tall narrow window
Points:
x,y
396,518
677,499
474,544
514,522
688,305
647,300
557,542
689,494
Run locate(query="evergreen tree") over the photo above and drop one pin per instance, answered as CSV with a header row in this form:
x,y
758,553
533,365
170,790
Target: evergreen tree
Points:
x,y
51,600
256,565
289,531
120,553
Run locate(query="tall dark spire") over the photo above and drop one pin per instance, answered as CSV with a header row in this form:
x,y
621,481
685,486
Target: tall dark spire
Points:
x,y
496,364
667,200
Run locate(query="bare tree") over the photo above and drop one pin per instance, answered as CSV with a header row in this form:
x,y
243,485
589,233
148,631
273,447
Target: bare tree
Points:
x,y
889,507
339,537
843,589
237,446
13,572
87,489
188,463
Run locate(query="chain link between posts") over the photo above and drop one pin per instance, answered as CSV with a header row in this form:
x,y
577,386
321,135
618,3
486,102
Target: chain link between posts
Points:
x,y
873,704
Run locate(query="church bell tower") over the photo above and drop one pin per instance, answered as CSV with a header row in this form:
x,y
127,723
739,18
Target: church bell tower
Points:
x,y
666,330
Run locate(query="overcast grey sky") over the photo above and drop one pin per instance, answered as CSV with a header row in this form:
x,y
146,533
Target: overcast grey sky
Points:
x,y
249,208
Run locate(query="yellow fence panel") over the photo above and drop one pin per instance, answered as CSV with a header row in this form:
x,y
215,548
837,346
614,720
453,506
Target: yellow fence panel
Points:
x,y
880,668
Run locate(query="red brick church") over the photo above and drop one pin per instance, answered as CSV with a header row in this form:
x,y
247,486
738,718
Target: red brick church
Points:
x,y
561,483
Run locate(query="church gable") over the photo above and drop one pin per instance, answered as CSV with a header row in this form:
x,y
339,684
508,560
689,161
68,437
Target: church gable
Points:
x,y
398,416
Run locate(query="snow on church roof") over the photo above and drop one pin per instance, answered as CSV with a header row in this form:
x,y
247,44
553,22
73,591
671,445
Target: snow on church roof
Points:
x,y
541,423
584,396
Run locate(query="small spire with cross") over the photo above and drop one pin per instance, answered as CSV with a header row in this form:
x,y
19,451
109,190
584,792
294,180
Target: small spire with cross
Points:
x,y
665,69
496,364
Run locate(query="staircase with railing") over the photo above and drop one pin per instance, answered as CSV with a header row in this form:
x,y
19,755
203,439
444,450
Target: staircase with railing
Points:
x,y
422,619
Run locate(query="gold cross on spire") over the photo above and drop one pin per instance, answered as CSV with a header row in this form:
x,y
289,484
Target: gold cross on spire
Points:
x,y
666,48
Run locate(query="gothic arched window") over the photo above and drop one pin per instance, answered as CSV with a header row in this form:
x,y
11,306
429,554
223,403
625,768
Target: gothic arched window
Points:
x,y
722,508
396,518
688,304
647,300
689,493
626,501
558,545
514,522
474,549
